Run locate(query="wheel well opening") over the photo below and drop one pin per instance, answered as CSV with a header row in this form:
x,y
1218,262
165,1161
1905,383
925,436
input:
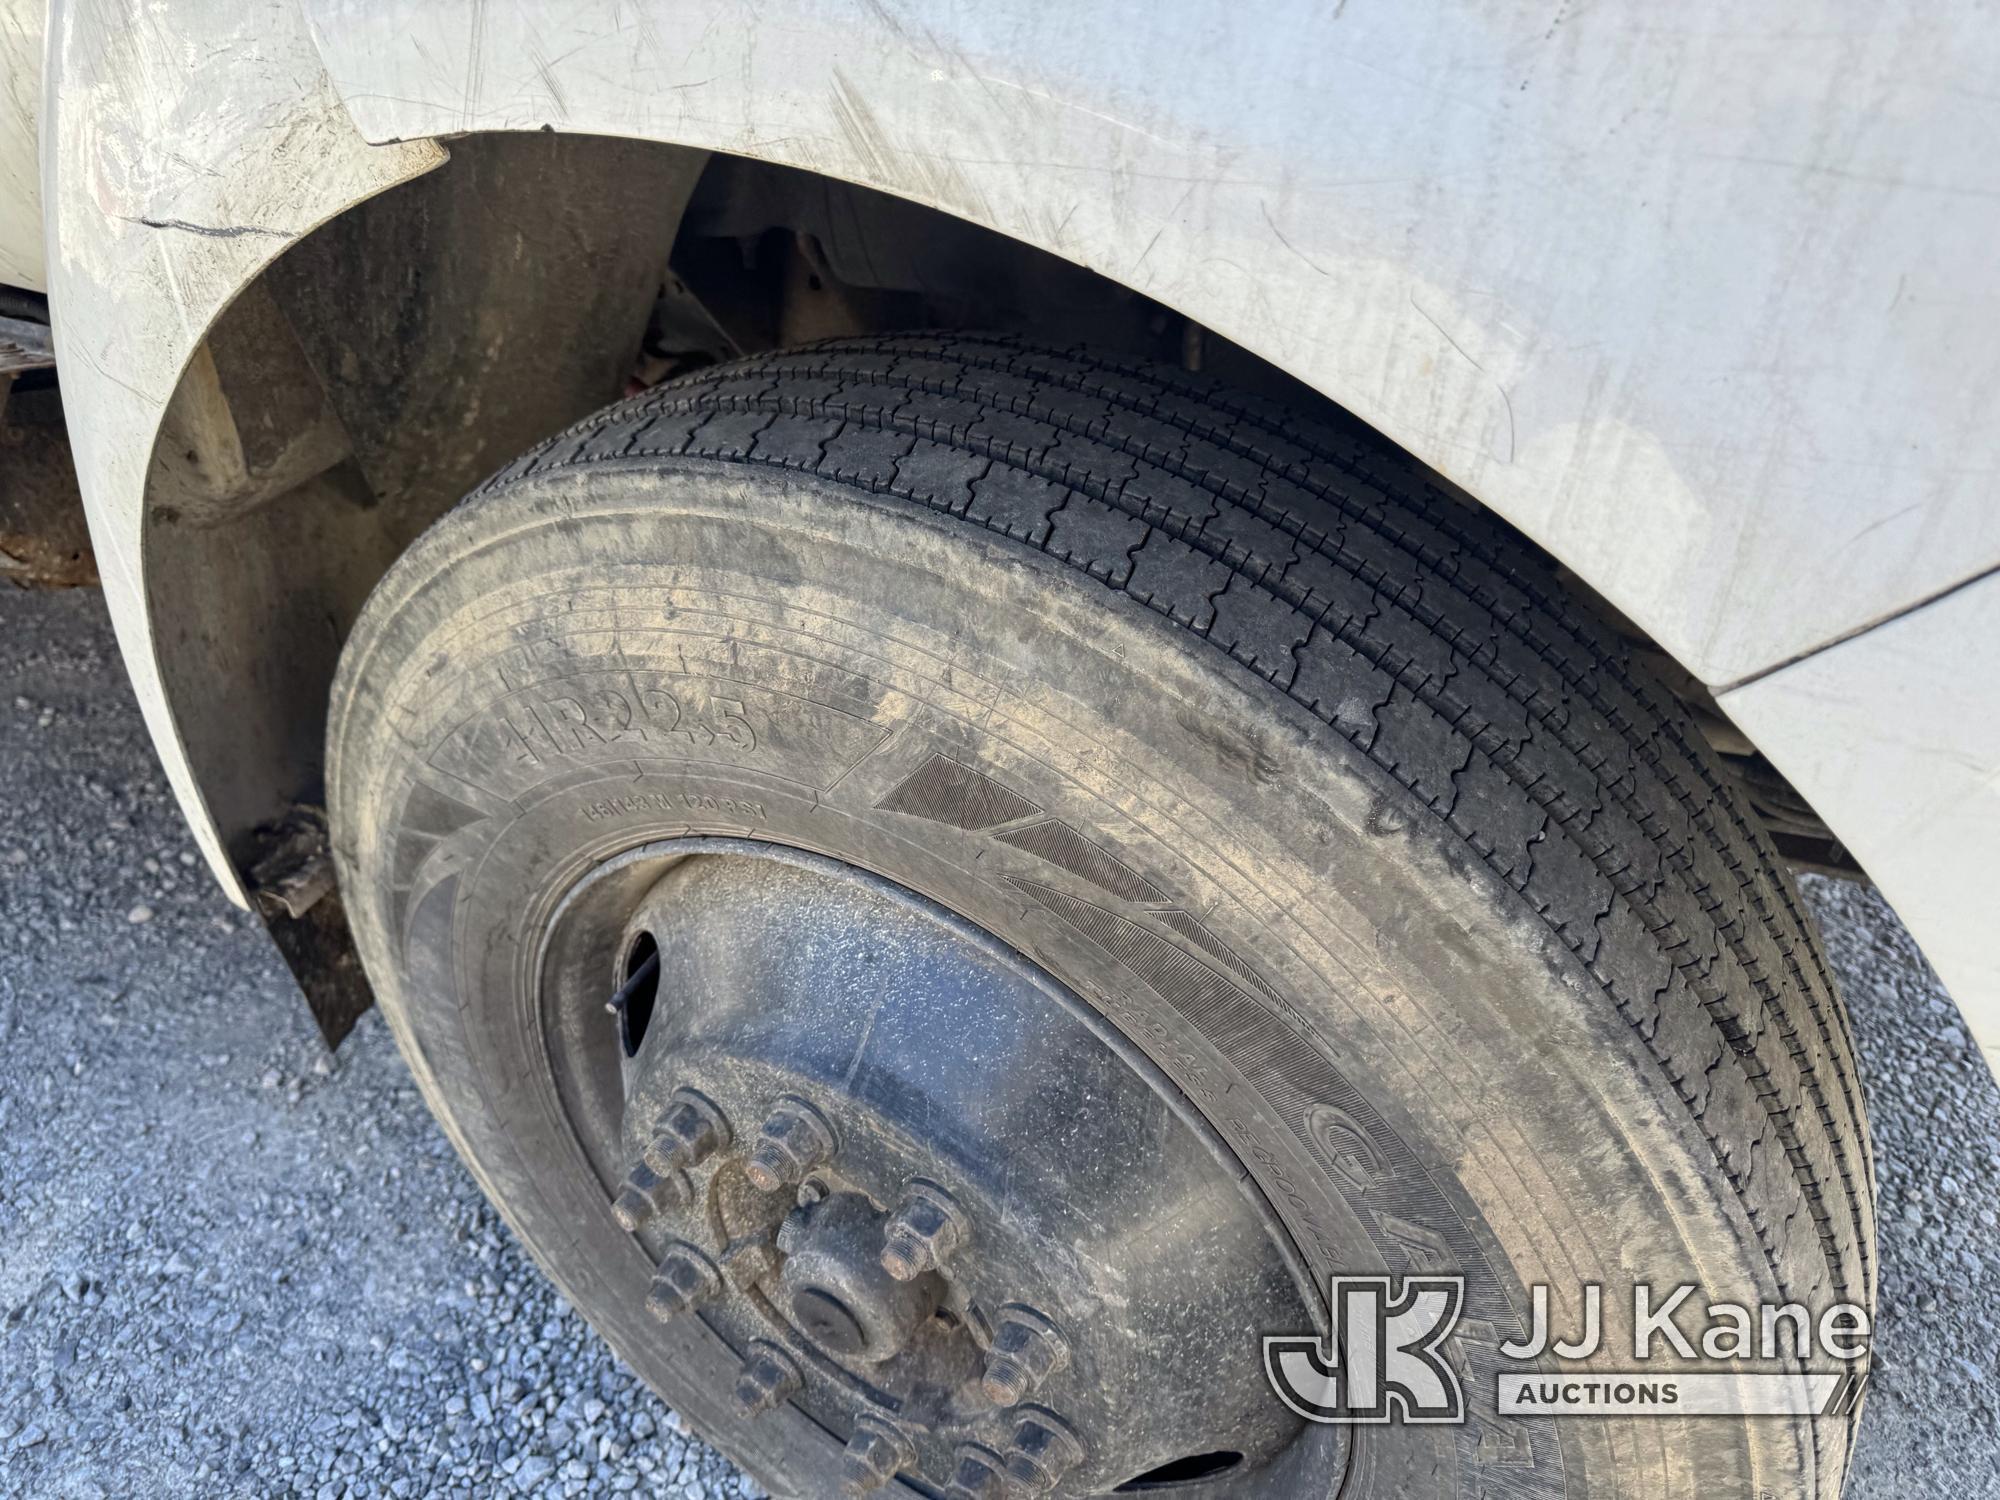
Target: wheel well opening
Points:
x,y
383,366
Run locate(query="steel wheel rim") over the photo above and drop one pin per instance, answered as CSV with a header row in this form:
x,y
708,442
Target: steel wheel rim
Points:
x,y
582,957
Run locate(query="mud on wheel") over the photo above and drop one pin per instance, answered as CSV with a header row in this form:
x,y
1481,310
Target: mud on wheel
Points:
x,y
945,887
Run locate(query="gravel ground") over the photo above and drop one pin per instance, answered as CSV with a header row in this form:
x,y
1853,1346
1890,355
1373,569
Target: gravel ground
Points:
x,y
232,1265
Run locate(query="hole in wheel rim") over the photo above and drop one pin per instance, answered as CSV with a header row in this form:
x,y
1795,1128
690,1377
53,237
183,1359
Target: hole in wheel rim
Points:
x,y
635,1014
1182,1471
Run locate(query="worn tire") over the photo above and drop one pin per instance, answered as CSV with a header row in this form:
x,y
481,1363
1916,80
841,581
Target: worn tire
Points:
x,y
1389,855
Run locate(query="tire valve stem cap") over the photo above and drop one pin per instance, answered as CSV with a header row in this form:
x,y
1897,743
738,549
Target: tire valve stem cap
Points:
x,y
874,1454
927,1226
1027,1349
794,1140
769,1378
977,1473
689,1131
647,1193
685,1280
1044,1448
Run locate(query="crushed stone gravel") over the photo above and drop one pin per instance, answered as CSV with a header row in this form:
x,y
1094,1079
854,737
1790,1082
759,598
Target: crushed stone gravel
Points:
x,y
231,1264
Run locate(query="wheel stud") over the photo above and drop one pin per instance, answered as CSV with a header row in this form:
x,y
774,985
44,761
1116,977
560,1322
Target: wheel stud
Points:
x,y
647,1193
690,1130
1027,1349
768,1379
794,1140
1043,1450
874,1454
685,1280
978,1473
926,1227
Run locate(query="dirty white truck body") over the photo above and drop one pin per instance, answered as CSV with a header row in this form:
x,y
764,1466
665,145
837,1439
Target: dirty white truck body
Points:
x,y
1700,299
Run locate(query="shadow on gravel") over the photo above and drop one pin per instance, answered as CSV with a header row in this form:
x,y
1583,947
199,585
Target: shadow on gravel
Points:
x,y
230,1265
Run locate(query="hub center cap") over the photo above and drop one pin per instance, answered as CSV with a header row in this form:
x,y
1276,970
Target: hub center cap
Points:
x,y
841,1297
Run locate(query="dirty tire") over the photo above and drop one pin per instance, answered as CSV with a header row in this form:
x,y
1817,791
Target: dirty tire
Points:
x,y
1317,784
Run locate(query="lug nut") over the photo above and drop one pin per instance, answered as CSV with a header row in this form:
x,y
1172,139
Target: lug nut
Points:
x,y
1044,1449
647,1193
874,1454
978,1473
1027,1349
768,1379
794,1140
685,1280
926,1227
689,1131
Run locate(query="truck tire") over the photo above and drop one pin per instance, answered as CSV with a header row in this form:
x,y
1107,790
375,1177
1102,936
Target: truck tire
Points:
x,y
1102,713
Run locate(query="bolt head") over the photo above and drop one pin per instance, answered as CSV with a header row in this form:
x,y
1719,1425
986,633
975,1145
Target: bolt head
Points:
x,y
768,1379
647,1193
1044,1448
926,1228
792,1141
874,1454
1027,1349
978,1473
685,1280
689,1130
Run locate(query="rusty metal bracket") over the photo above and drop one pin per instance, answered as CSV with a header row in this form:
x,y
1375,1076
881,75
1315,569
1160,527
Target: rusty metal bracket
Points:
x,y
25,346
292,880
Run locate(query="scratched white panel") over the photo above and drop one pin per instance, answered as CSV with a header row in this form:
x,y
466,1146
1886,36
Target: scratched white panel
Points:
x,y
1701,296
21,23
1897,732
192,144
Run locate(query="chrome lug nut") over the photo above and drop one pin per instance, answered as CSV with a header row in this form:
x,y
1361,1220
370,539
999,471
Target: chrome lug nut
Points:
x,y
795,1139
685,1280
1045,1448
768,1379
874,1454
926,1227
1027,1349
647,1193
977,1473
689,1131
